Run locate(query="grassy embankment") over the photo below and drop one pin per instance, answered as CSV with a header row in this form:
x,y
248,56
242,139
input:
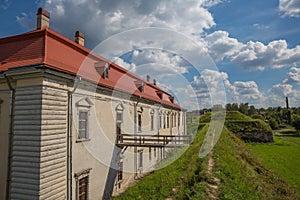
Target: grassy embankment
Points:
x,y
241,174
282,156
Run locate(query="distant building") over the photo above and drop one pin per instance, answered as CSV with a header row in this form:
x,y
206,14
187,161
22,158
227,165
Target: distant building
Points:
x,y
72,132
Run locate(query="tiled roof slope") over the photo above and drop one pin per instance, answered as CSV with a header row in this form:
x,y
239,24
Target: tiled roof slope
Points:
x,y
50,49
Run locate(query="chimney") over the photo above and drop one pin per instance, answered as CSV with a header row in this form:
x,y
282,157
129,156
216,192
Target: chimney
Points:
x,y
148,78
287,103
79,38
43,18
154,81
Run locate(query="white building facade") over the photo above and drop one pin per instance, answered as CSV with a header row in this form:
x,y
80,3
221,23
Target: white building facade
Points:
x,y
73,132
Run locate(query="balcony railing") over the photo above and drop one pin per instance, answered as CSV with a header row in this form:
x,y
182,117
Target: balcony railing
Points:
x,y
169,141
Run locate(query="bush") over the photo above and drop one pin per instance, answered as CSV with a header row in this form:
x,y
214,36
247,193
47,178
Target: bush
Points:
x,y
273,123
257,116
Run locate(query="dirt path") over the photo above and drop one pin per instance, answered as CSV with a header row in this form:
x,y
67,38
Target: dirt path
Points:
x,y
213,186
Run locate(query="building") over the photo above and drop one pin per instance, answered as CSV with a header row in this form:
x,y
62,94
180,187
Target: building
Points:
x,y
74,125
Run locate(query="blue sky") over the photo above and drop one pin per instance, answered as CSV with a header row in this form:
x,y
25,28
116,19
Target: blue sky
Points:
x,y
253,45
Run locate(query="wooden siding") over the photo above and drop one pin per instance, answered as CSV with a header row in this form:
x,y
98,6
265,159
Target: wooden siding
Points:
x,y
39,144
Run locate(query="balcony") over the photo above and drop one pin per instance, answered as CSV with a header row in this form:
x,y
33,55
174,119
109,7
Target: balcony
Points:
x,y
168,141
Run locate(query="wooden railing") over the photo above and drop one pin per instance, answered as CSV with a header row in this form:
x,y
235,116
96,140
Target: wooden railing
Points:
x,y
142,140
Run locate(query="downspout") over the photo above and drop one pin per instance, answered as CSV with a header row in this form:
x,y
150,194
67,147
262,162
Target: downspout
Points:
x,y
135,133
10,135
69,140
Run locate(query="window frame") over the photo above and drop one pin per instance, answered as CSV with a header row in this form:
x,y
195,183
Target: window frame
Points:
x,y
152,120
139,122
86,135
84,174
83,105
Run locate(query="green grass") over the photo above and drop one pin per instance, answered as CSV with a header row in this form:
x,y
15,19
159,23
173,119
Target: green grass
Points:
x,y
160,183
242,175
282,157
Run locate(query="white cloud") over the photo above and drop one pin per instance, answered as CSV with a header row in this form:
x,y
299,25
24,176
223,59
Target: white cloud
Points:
x,y
211,85
221,45
290,8
256,55
101,19
293,76
129,66
281,89
246,92
252,55
288,87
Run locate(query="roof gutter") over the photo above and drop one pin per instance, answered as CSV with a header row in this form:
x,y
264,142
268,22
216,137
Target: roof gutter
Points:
x,y
10,135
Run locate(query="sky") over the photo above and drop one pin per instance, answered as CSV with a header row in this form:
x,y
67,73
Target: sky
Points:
x,y
204,52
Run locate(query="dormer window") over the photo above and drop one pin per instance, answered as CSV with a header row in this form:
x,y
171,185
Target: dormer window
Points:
x,y
103,69
106,71
171,99
140,85
159,94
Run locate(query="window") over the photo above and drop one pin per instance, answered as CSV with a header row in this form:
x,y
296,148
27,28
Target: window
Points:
x,y
140,158
178,119
160,123
152,120
83,188
120,174
83,116
150,156
119,117
119,132
168,121
140,85
175,120
106,71
154,152
83,125
103,69
164,120
82,184
140,122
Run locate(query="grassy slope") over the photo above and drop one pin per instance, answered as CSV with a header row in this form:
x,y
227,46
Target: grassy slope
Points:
x,y
242,175
282,157
159,184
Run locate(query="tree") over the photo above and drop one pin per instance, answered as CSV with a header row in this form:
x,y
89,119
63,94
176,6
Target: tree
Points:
x,y
296,122
232,107
243,108
273,123
252,110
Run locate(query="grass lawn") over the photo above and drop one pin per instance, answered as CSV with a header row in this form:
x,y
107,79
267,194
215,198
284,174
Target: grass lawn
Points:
x,y
282,157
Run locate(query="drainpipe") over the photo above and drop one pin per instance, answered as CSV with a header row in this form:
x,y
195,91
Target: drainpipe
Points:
x,y
135,133
69,140
10,135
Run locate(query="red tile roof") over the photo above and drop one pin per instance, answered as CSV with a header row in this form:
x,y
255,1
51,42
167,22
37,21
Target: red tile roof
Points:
x,y
49,48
